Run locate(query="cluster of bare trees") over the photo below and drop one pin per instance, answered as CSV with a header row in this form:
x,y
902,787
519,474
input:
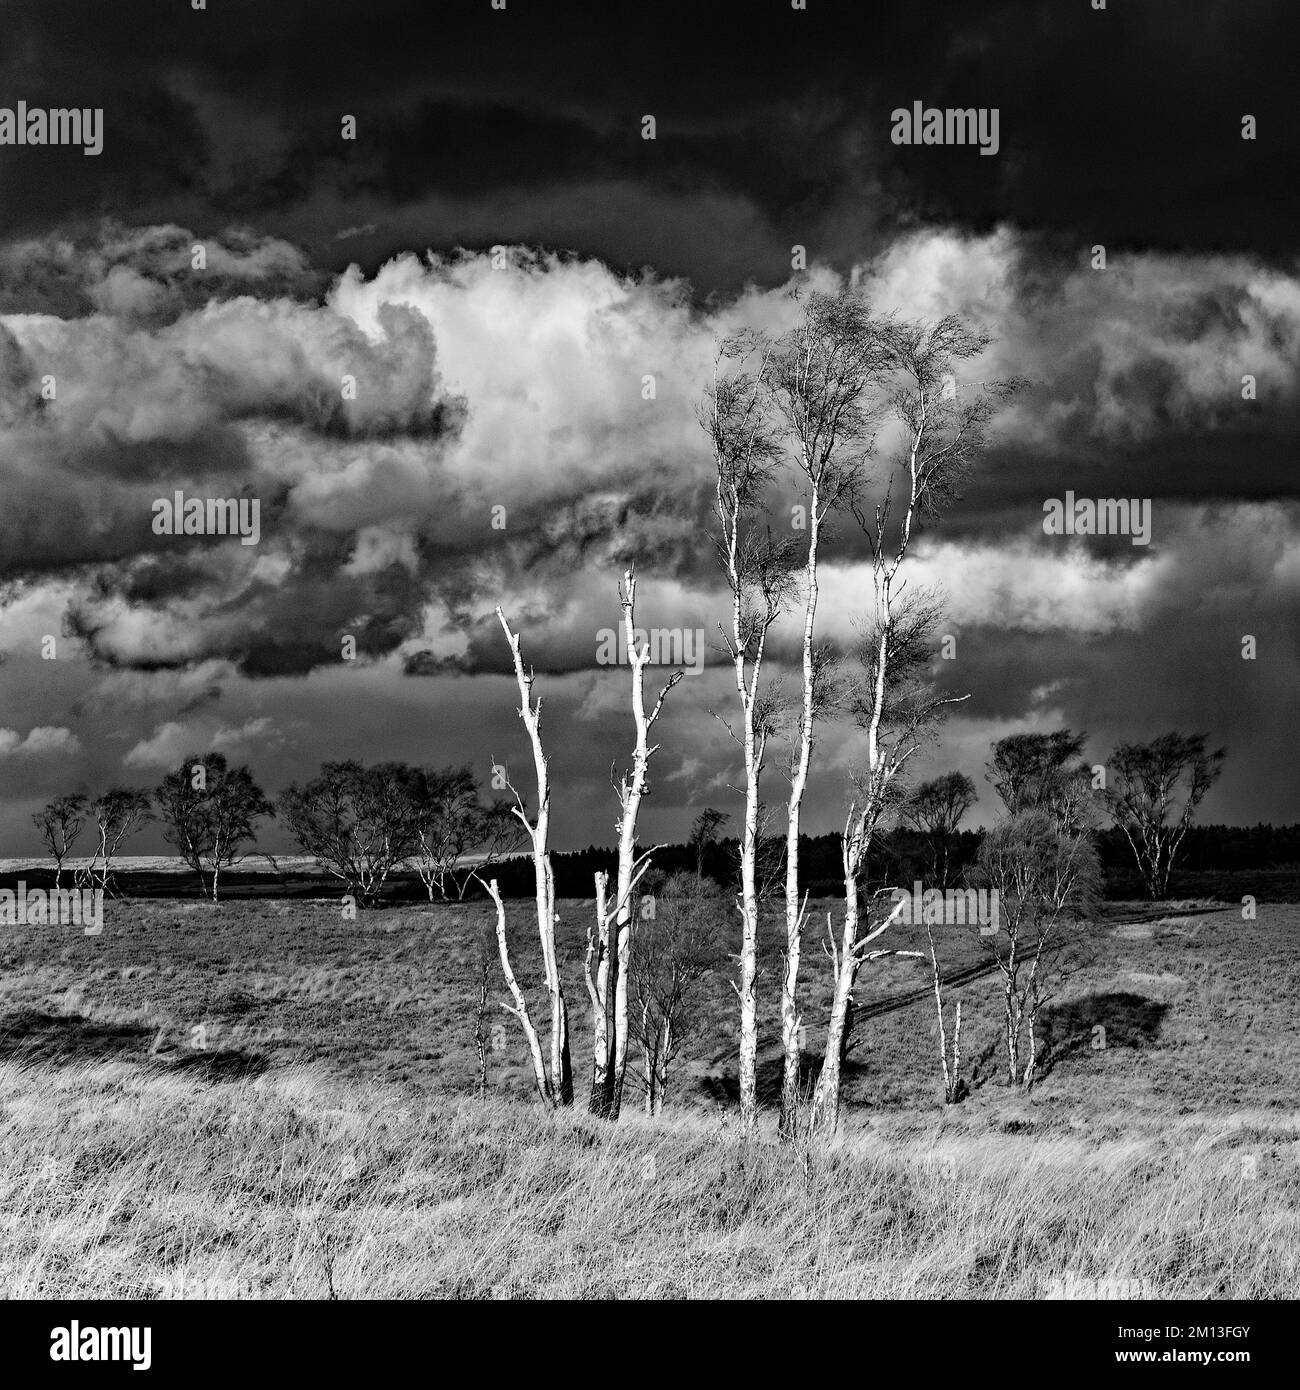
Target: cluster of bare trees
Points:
x,y
862,413
113,815
207,809
359,823
1147,780
363,823
1041,859
865,413
607,969
864,417
677,949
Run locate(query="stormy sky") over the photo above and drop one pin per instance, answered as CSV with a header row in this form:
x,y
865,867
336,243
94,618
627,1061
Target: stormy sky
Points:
x,y
499,259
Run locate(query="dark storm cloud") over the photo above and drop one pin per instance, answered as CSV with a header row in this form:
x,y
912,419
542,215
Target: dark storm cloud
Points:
x,y
146,273
1119,126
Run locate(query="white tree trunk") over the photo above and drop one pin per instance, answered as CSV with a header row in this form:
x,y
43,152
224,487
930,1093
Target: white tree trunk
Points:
x,y
614,922
794,910
543,878
749,943
951,1075
630,868
661,1065
598,990
749,575
854,845
520,1010
956,1054
826,1096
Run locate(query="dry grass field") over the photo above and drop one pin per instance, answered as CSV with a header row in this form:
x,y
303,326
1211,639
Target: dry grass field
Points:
x,y
262,1099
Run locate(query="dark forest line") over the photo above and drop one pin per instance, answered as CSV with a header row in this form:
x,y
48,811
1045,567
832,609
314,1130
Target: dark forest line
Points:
x,y
1216,861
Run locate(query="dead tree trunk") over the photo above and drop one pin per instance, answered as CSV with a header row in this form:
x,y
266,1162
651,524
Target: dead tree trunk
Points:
x,y
597,981
952,1085
544,879
631,790
520,1009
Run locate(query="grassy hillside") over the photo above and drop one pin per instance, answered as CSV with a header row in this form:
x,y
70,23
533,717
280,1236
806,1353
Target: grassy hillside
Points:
x,y
325,1134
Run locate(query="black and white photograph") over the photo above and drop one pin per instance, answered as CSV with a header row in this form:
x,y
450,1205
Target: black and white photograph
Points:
x,y
649,652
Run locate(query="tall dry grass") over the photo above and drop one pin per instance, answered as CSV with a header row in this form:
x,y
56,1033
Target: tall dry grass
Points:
x,y
119,1183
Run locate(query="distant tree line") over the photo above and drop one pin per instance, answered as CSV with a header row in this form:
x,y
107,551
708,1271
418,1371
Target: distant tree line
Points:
x,y
359,823
364,824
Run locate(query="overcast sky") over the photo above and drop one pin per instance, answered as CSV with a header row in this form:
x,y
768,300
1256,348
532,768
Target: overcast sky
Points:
x,y
516,381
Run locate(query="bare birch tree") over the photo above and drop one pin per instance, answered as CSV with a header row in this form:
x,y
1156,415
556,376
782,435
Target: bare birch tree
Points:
x,y
208,810
117,813
822,373
1149,778
896,710
941,431
736,417
455,826
954,1088
704,834
935,810
1045,877
519,1008
674,951
611,940
60,823
1045,772
538,831
358,823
